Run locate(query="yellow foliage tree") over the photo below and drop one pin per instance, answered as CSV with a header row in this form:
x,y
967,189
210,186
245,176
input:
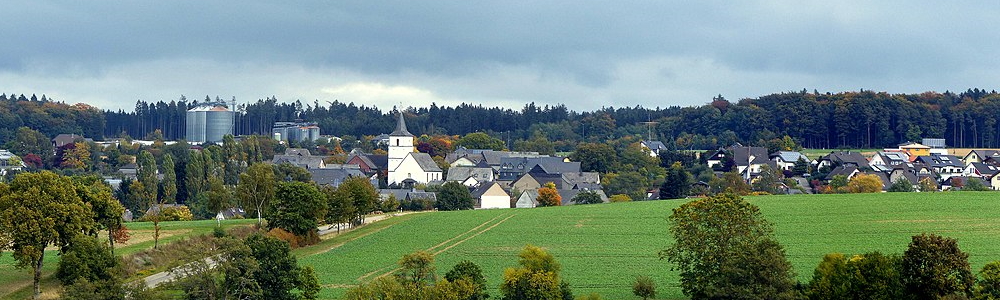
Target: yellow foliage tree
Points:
x,y
864,183
548,196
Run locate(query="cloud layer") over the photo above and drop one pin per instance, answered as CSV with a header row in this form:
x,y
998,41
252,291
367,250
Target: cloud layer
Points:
x,y
586,54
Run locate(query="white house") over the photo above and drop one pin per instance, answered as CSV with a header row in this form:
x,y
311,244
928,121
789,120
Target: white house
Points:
x,y
491,195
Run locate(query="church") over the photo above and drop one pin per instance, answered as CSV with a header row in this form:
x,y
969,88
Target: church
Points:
x,y
406,165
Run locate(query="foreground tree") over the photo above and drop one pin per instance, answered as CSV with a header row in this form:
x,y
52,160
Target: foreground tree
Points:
x,y
38,210
988,285
934,267
298,208
537,277
724,248
470,273
644,287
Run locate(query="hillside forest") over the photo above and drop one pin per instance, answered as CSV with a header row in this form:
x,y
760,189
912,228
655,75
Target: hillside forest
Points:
x,y
861,119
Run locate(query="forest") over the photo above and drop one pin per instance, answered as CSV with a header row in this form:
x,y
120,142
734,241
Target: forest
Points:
x,y
853,119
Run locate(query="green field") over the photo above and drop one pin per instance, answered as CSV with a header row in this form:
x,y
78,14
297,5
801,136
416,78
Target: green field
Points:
x,y
603,247
16,283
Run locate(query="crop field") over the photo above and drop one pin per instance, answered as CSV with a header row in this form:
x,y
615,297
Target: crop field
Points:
x,y
16,283
602,248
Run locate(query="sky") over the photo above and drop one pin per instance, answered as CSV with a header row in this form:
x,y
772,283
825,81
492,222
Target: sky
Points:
x,y
584,54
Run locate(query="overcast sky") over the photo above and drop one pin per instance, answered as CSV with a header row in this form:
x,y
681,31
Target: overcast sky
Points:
x,y
585,54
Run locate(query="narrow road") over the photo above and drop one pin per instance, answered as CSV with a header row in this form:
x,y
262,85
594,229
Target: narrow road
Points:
x,y
166,276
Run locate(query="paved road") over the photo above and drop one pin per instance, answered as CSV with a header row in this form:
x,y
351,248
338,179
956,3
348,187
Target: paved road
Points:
x,y
166,276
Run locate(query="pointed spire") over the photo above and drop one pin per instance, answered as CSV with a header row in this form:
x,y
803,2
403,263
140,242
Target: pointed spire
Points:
x,y
400,127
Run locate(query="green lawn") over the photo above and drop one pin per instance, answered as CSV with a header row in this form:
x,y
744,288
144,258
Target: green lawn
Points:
x,y
603,247
16,283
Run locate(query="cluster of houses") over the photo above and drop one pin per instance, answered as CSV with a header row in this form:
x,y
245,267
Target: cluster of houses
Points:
x,y
496,179
912,162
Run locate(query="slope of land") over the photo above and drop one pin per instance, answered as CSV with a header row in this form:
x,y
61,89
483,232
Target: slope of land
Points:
x,y
603,248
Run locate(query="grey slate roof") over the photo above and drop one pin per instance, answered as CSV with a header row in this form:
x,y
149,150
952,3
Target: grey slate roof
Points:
x,y
934,143
575,178
985,169
655,145
845,170
463,173
789,156
308,162
297,151
426,162
334,175
847,158
938,161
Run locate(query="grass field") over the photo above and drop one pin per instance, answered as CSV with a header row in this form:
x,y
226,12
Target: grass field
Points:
x,y
603,247
16,283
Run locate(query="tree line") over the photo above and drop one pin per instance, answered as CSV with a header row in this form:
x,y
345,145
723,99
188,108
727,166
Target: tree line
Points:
x,y
852,119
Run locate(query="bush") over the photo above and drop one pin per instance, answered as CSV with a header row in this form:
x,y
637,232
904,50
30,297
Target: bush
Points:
x,y
620,198
417,205
644,287
294,241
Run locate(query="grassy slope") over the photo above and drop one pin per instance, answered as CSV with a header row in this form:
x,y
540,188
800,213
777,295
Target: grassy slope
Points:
x,y
16,283
603,247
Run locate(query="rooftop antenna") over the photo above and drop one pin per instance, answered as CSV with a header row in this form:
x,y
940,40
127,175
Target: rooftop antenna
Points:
x,y
649,127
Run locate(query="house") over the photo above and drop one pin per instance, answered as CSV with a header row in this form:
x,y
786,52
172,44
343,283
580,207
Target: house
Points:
x,y
155,209
568,195
937,145
944,165
785,160
306,162
512,168
654,147
68,138
129,171
407,195
533,181
915,149
370,164
297,152
900,173
846,170
469,174
334,175
994,181
527,199
980,170
887,159
843,158
982,156
491,195
744,158
957,182
230,213
10,162
582,180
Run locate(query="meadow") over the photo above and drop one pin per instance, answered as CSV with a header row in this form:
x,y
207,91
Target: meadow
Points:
x,y
16,283
602,248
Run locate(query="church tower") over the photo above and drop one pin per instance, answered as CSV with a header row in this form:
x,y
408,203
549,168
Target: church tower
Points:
x,y
400,144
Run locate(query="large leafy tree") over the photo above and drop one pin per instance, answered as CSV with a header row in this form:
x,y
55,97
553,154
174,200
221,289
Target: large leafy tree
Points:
x,y
454,196
934,266
724,248
595,157
480,140
107,210
29,141
298,208
256,189
351,201
169,179
38,210
279,272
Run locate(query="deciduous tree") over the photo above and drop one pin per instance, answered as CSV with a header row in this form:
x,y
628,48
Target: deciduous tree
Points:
x,y
256,189
536,277
454,196
38,210
549,196
725,248
934,266
298,208
864,183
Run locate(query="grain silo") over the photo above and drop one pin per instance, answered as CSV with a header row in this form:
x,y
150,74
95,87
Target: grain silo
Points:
x,y
209,123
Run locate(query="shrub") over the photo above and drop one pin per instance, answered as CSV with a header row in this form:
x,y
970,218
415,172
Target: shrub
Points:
x,y
177,213
620,198
644,287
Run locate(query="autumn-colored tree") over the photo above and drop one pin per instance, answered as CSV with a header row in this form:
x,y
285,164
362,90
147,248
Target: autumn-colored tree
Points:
x,y
927,184
549,196
38,210
536,278
619,198
864,183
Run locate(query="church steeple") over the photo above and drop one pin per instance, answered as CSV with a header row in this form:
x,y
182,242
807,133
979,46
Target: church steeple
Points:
x,y
400,127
